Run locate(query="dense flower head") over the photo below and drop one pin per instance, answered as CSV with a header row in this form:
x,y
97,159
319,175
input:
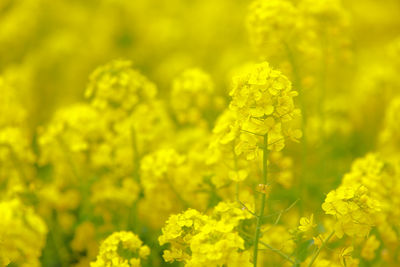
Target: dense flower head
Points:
x,y
180,228
263,101
214,246
122,249
200,240
353,209
75,129
157,166
193,96
118,87
380,177
271,23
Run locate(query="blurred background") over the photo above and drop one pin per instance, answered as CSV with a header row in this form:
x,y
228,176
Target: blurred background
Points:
x,y
49,48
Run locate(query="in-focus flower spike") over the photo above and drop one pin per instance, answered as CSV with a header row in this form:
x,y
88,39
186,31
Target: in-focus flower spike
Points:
x,y
263,102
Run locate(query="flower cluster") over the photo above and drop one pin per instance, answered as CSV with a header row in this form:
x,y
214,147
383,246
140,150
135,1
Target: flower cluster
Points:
x,y
272,23
118,87
193,97
353,209
122,249
200,240
263,102
308,29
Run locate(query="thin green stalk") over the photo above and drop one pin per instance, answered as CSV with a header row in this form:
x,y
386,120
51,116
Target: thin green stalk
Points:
x,y
18,165
297,85
70,161
263,199
271,248
320,248
279,252
173,189
235,161
133,222
57,238
136,155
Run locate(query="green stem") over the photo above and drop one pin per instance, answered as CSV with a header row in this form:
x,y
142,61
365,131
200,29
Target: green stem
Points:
x,y
176,193
18,165
133,221
67,153
279,252
136,155
297,86
320,248
235,161
263,198
275,250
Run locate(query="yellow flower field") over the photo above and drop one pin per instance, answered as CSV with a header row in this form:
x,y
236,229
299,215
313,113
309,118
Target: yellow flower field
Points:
x,y
217,133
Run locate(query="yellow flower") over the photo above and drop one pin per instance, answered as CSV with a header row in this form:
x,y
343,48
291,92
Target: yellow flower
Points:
x,y
271,23
307,224
345,257
201,240
262,99
368,250
121,249
193,97
353,208
117,88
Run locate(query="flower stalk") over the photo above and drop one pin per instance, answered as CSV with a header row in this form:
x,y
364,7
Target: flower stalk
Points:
x,y
263,200
320,248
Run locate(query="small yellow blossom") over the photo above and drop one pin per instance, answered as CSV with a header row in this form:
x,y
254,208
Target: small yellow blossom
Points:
x,y
307,224
122,249
369,248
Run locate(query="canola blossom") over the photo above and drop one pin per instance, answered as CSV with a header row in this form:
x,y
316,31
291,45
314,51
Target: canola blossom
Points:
x,y
199,133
